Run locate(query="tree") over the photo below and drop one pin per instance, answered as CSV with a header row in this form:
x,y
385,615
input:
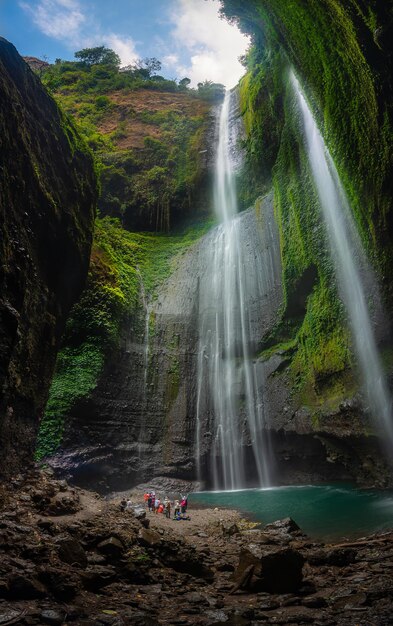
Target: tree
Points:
x,y
98,56
184,82
213,92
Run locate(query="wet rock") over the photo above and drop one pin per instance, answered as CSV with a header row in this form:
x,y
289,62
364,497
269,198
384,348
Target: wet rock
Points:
x,y
49,616
71,551
286,525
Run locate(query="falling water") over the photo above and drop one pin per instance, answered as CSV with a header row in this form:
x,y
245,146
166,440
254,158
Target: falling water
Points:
x,y
341,229
225,369
145,356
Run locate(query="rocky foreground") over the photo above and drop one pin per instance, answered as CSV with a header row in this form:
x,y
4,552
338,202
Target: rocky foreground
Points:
x,y
68,556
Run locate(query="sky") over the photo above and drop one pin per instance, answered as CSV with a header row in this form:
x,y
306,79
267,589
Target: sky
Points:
x,y
187,36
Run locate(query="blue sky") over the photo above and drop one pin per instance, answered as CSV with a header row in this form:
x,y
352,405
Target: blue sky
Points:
x,y
186,35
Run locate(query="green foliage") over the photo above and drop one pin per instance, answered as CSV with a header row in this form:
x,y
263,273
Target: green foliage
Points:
x,y
98,56
120,262
212,92
333,48
77,372
166,174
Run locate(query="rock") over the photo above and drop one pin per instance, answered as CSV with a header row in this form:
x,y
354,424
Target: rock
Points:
x,y
149,538
194,597
277,571
9,616
229,529
340,557
46,226
23,587
286,525
111,547
62,585
63,505
52,617
139,512
71,551
97,576
282,570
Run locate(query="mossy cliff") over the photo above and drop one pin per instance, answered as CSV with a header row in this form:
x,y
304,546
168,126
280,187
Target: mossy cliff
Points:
x,y
47,200
340,51
151,141
149,138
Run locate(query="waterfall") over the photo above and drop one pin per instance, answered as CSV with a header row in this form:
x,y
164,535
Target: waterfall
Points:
x,y
226,373
145,356
343,242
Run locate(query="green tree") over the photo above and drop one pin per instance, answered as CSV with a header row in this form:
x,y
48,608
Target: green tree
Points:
x,y
210,91
98,56
184,82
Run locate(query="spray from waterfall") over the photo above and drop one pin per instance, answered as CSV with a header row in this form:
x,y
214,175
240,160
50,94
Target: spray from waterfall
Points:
x,y
226,372
343,242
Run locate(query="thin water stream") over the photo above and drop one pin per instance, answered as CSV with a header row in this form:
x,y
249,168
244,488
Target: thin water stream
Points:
x,y
344,243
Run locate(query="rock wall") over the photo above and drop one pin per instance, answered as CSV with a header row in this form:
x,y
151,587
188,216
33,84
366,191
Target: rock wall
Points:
x,y
47,200
140,420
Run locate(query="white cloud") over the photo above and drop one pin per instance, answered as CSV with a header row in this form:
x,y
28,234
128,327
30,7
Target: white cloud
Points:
x,y
214,45
60,19
125,48
66,21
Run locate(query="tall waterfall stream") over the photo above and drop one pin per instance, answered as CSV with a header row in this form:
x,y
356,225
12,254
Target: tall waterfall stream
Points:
x,y
225,368
344,243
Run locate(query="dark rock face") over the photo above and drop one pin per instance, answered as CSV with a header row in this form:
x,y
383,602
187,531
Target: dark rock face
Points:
x,y
140,422
47,200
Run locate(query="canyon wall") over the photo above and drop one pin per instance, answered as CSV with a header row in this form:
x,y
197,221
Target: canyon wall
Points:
x,y
47,202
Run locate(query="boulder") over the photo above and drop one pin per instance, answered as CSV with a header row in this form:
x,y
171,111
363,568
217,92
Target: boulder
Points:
x,y
97,576
111,547
275,570
25,587
149,538
285,525
62,585
70,551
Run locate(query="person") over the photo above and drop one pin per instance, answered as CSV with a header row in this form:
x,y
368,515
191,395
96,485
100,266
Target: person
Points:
x,y
153,500
146,497
176,509
123,504
128,505
149,501
167,507
157,503
161,508
183,504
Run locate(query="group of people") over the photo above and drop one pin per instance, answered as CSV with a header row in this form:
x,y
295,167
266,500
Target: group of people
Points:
x,y
155,505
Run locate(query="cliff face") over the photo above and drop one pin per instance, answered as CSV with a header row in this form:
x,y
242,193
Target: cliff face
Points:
x,y
137,416
47,200
140,420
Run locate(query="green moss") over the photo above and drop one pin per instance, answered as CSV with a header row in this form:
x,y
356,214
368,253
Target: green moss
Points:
x,y
332,47
120,261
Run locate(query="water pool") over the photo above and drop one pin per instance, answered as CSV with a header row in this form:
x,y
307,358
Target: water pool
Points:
x,y
326,512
